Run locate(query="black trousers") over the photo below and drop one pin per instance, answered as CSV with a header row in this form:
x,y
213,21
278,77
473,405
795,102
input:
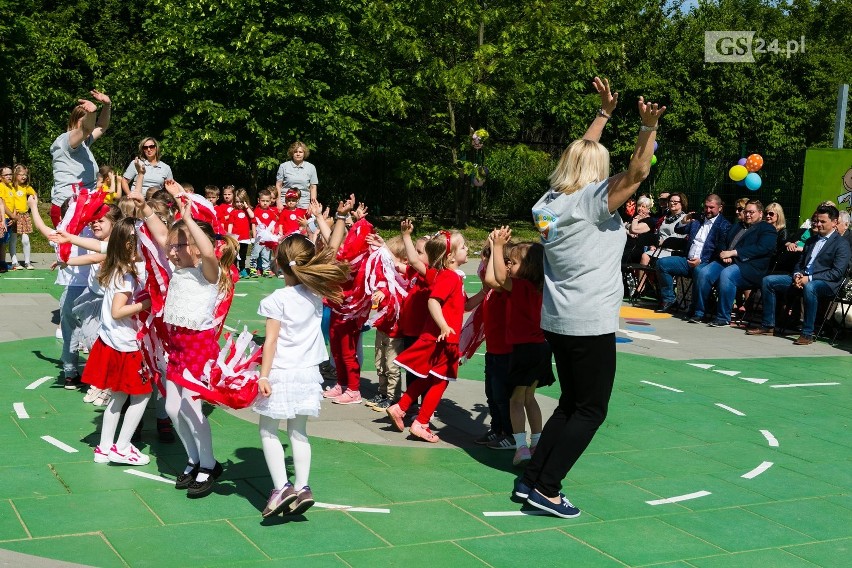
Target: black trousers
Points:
x,y
586,369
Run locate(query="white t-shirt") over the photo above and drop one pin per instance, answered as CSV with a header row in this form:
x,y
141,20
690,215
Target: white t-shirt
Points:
x,y
582,243
76,275
119,334
300,342
697,244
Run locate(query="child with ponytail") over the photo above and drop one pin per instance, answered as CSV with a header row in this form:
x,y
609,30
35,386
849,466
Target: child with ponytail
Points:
x,y
290,381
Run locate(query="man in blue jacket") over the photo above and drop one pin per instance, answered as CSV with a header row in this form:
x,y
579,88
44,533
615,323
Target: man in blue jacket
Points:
x,y
819,272
706,235
745,260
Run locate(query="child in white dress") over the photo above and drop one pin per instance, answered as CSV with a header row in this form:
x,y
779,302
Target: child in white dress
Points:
x,y
290,382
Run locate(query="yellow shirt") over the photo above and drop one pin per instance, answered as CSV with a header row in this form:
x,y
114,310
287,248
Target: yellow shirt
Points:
x,y
20,194
7,194
110,197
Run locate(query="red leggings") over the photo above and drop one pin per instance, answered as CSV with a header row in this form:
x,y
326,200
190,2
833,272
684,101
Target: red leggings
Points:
x,y
434,389
343,340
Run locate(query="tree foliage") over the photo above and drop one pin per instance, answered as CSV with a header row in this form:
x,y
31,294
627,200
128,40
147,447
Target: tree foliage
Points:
x,y
386,91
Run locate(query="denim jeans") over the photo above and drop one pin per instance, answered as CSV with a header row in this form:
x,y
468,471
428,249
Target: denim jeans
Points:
x,y
670,266
705,278
730,279
261,257
68,323
811,293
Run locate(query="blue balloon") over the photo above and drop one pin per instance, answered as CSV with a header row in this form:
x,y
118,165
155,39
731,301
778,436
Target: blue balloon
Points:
x,y
753,181
741,183
656,146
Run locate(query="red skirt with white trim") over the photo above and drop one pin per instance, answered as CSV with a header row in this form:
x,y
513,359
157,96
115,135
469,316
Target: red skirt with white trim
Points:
x,y
119,371
428,357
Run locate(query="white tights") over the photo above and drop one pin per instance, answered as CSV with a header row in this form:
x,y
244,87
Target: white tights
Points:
x,y
274,452
25,244
132,418
191,425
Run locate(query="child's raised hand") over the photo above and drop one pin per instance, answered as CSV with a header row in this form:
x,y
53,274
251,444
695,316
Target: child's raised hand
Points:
x,y
59,237
173,187
315,208
87,106
446,331
360,212
136,196
140,167
185,208
32,201
263,387
406,227
375,240
502,235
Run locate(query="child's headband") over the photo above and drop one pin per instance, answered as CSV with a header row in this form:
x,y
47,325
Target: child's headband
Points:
x,y
448,236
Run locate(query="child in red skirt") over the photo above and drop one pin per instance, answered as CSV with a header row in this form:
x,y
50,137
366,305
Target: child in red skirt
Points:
x,y
434,357
114,361
198,279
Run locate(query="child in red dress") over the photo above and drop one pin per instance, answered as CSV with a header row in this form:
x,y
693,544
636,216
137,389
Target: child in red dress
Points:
x,y
434,357
288,220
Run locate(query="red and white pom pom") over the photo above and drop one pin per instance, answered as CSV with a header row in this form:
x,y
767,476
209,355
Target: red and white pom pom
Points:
x,y
231,380
472,333
266,235
380,273
84,207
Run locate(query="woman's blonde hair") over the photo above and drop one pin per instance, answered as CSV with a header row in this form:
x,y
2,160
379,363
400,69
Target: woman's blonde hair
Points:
x,y
583,162
156,149
780,219
227,256
297,256
295,146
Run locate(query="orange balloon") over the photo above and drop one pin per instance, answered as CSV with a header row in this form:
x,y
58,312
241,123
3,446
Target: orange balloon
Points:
x,y
754,162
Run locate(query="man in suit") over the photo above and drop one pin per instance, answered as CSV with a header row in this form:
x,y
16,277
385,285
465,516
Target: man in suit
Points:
x,y
819,272
748,251
705,235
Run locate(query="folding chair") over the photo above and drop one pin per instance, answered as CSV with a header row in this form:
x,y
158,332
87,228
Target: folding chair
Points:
x,y
840,304
676,245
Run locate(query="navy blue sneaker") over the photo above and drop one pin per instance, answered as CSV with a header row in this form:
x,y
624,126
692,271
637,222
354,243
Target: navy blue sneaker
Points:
x,y
564,509
718,323
520,492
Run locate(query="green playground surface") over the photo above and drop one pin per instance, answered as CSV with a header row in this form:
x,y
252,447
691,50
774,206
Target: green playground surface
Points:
x,y
693,467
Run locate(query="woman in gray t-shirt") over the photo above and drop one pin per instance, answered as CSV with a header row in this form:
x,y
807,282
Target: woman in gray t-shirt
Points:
x,y
583,240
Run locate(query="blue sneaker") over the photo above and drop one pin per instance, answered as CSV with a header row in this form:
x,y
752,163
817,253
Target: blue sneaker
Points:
x,y
244,273
564,509
520,492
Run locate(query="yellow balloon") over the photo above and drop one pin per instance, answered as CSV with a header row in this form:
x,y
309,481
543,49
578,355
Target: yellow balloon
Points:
x,y
738,173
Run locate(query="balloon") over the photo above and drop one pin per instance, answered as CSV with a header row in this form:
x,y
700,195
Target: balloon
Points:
x,y
742,161
754,163
737,172
654,160
656,146
753,181
741,183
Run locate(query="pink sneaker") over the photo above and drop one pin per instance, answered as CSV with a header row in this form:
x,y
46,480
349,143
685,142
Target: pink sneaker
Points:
x,y
101,456
130,456
333,392
396,415
522,456
423,432
349,397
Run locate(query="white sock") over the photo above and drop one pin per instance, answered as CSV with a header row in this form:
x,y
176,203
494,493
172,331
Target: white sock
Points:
x,y
273,451
25,242
534,439
520,439
297,430
132,418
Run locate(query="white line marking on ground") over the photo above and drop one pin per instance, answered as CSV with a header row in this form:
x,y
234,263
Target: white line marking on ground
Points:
x,y
729,373
61,445
647,336
246,281
729,409
229,328
679,498
514,513
350,509
803,385
701,365
757,471
15,278
773,441
661,386
20,410
37,383
240,295
754,380
149,476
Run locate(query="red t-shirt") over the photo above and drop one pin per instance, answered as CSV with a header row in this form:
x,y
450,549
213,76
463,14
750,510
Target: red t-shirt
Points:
x,y
240,224
495,311
448,289
414,311
222,212
265,216
524,321
288,221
